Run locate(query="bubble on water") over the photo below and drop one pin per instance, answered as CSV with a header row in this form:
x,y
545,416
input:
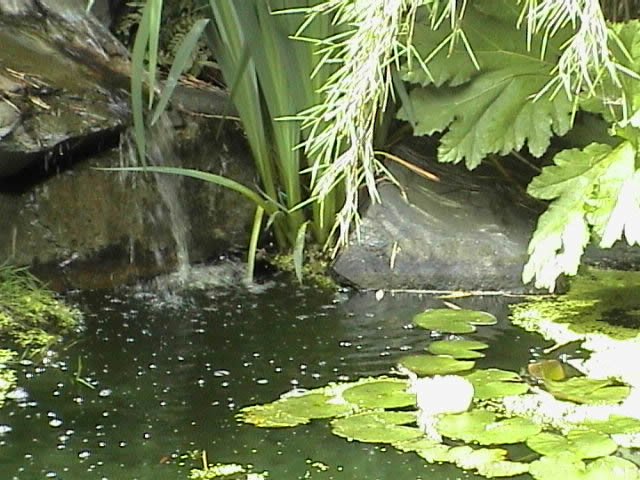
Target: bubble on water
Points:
x,y
84,454
105,392
18,394
4,429
55,422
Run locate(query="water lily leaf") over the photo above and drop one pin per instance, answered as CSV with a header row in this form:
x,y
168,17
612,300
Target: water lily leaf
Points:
x,y
503,468
614,424
489,462
269,416
496,383
460,349
388,393
587,390
429,450
377,427
435,364
481,426
293,410
447,320
579,443
568,467
550,369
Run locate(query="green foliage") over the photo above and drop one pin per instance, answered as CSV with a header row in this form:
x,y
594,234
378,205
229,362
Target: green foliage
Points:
x,y
446,320
435,364
31,318
588,390
377,427
389,393
483,427
496,383
579,443
592,190
568,467
459,349
484,101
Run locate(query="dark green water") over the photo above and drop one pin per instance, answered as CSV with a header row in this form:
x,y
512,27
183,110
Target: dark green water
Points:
x,y
169,377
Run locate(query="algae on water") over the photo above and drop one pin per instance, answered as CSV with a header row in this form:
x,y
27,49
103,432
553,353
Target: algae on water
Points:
x,y
32,320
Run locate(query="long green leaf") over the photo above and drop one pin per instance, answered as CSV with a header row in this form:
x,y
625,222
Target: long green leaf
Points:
x,y
137,73
269,206
183,56
253,243
298,250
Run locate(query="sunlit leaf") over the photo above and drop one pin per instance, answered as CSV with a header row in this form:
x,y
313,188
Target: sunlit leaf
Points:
x,y
579,443
446,320
389,393
482,426
546,370
496,383
435,365
587,390
377,427
614,424
569,468
460,349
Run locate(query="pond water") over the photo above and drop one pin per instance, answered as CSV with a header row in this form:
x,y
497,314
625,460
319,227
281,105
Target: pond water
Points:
x,y
169,376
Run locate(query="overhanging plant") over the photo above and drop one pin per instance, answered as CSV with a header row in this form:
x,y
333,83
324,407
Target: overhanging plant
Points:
x,y
493,87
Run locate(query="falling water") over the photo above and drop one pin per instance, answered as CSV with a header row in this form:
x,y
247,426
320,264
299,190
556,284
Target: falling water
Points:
x,y
161,152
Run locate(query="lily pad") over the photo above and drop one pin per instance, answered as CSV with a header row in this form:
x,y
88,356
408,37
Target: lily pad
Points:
x,y
489,462
293,410
459,349
388,393
569,468
578,443
614,424
481,426
429,450
377,427
435,364
446,320
496,383
549,369
587,390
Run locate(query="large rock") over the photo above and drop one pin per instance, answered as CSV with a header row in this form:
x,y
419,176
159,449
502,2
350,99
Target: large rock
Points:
x,y
470,232
64,80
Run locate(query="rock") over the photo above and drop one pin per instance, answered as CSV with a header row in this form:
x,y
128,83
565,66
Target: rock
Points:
x,y
468,232
462,233
64,82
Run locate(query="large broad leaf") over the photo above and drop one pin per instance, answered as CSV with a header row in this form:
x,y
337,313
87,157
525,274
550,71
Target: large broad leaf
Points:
x,y
579,443
459,349
385,393
377,427
447,320
587,390
487,109
567,467
587,188
481,426
435,365
496,383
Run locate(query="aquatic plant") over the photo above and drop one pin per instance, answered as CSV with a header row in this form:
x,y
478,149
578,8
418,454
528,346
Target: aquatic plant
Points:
x,y
424,416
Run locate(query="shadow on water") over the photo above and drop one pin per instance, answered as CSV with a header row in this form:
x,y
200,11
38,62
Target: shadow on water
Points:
x,y
169,378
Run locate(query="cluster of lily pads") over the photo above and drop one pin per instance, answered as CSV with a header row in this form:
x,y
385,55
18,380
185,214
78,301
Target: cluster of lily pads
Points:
x,y
384,409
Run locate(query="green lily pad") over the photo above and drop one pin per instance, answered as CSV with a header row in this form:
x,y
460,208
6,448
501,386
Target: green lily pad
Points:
x,y
435,364
569,468
578,443
446,320
388,393
489,462
587,390
269,416
614,424
459,349
293,410
429,450
377,427
496,383
481,426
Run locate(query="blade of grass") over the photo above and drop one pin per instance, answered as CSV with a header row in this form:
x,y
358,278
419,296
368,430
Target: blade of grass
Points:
x,y
253,243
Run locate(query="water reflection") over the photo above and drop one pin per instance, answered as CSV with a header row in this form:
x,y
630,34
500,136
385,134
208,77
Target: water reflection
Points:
x,y
169,377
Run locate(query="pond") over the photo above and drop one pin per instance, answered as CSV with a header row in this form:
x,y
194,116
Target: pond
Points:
x,y
169,374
